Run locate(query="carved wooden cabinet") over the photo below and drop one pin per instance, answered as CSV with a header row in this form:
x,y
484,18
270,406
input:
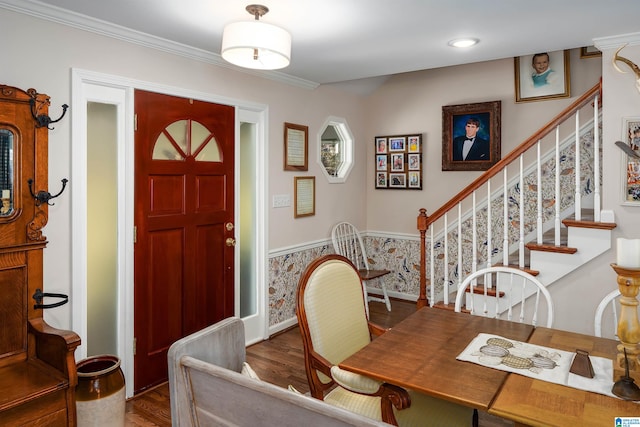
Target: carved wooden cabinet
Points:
x,y
37,366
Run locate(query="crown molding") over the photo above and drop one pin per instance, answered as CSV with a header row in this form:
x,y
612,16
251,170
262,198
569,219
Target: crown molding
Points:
x,y
614,42
82,22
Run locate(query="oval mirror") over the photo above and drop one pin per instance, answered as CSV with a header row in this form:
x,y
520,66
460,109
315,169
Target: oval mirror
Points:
x,y
335,149
6,171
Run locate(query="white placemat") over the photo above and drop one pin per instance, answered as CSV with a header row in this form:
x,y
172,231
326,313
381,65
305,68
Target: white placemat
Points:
x,y
543,363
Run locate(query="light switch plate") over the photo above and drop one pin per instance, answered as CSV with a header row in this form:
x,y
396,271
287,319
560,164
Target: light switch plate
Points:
x,y
281,200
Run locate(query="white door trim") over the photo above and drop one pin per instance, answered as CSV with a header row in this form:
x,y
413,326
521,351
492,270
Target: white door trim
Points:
x,y
89,86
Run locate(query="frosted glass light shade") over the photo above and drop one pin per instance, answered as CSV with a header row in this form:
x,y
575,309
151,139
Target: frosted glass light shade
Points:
x,y
242,40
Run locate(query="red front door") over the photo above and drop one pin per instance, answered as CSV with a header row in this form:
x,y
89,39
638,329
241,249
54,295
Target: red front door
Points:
x,y
184,200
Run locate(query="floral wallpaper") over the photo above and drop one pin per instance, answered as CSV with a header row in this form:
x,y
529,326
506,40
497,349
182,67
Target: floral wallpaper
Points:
x,y
401,256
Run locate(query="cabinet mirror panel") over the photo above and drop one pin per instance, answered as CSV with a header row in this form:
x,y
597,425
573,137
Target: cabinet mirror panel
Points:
x,y
7,162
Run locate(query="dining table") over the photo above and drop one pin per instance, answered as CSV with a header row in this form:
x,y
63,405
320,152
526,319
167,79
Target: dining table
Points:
x,y
420,353
531,402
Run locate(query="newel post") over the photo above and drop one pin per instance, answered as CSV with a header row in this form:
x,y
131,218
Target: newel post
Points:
x,y
422,227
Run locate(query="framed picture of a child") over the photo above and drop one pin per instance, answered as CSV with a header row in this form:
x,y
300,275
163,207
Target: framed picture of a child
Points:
x,y
541,76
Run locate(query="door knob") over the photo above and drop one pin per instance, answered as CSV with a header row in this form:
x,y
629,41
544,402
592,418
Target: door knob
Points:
x,y
231,241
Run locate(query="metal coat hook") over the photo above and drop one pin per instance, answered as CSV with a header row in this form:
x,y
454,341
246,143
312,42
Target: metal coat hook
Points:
x,y
39,296
42,120
44,196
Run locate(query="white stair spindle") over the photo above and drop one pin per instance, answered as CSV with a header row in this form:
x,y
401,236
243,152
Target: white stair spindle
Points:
x,y
505,219
489,254
539,195
557,190
578,196
432,278
474,238
460,272
521,213
445,286
596,160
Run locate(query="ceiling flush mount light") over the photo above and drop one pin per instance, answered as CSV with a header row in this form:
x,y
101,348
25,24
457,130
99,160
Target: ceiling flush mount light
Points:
x,y
463,42
256,44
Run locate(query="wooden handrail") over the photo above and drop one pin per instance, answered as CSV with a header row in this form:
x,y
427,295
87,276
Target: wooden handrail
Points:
x,y
491,172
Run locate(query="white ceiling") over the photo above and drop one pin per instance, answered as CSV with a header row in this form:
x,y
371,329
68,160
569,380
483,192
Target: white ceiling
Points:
x,y
341,40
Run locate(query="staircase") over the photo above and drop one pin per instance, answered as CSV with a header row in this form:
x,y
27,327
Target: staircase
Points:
x,y
537,209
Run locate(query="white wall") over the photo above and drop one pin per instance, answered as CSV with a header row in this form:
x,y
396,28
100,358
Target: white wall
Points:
x,y
41,55
412,102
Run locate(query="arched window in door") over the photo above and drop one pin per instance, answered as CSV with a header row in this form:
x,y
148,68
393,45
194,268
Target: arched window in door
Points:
x,y
187,138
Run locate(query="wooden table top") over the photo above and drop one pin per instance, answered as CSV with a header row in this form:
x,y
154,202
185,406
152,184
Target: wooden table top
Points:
x,y
539,403
420,353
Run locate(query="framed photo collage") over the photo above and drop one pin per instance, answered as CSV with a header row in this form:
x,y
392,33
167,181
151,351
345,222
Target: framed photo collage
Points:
x,y
398,162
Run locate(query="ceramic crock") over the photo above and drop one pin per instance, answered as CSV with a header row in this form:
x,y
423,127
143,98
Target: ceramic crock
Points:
x,y
100,394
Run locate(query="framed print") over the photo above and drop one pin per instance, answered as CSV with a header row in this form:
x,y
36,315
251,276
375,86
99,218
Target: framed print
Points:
x,y
400,167
397,180
413,161
471,136
589,52
397,162
414,179
304,196
397,144
296,147
631,161
541,76
381,145
414,144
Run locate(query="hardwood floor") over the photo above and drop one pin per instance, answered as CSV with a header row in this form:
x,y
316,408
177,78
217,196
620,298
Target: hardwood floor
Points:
x,y
280,361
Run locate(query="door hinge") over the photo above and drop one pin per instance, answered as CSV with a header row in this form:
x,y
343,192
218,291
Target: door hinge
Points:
x,y
135,234
135,341
135,122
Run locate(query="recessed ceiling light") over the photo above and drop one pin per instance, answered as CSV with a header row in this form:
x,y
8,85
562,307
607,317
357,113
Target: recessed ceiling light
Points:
x,y
463,42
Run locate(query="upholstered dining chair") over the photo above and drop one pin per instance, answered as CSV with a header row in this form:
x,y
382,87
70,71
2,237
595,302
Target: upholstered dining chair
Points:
x,y
609,303
348,243
333,323
505,292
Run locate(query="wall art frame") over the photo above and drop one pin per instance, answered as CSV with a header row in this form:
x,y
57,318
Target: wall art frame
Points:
x,y
484,120
398,162
296,147
534,84
590,52
304,196
631,161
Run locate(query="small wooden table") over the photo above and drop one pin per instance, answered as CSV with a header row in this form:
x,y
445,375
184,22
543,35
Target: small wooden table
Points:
x,y
420,353
538,403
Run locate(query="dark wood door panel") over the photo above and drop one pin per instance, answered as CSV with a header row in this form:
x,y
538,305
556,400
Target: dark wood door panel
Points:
x,y
184,197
